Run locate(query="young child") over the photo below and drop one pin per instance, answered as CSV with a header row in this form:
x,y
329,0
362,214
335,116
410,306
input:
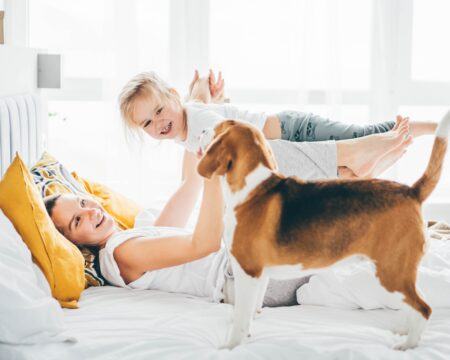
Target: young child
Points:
x,y
149,104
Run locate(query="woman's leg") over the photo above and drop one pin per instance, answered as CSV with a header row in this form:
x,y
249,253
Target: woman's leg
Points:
x,y
390,159
283,292
384,163
278,292
362,155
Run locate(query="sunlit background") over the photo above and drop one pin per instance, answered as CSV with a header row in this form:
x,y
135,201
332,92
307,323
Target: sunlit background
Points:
x,y
360,61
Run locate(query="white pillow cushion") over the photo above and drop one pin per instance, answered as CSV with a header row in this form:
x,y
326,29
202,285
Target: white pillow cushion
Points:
x,y
28,313
146,217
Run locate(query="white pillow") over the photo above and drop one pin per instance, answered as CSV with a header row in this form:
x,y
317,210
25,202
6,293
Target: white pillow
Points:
x,y
146,217
28,313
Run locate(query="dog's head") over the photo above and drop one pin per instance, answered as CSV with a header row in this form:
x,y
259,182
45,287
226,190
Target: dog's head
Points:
x,y
237,149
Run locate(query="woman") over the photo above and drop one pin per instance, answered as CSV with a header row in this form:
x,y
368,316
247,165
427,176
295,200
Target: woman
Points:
x,y
168,258
150,257
164,256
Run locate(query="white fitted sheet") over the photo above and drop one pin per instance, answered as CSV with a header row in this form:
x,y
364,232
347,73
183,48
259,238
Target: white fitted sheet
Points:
x,y
118,323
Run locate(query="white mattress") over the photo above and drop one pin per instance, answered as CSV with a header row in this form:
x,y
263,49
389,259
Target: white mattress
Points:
x,y
116,323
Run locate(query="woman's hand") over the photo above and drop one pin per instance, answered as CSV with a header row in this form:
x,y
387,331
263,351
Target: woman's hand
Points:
x,y
207,89
216,88
199,89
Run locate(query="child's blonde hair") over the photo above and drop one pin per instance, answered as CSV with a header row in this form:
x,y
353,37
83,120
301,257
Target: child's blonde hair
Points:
x,y
147,84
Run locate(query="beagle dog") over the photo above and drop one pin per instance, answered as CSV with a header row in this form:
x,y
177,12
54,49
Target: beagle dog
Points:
x,y
275,223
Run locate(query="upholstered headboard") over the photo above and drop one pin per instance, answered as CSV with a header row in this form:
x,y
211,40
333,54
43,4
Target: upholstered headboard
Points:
x,y
22,129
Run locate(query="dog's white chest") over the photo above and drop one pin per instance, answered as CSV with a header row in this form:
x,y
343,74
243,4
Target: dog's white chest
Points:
x,y
233,199
229,217
230,226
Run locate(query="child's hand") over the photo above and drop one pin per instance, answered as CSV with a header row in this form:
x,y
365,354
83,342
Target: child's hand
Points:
x,y
216,88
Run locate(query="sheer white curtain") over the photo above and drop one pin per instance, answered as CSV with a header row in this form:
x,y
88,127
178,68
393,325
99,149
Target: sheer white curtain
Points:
x,y
103,44
351,60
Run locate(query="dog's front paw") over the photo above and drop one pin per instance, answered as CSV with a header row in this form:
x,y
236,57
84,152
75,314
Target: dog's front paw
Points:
x,y
403,346
257,313
231,344
400,330
235,339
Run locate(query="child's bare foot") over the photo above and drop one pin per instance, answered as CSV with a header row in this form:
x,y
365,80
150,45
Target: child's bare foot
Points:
x,y
362,154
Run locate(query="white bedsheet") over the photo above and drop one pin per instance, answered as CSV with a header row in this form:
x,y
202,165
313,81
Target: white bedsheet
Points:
x,y
117,323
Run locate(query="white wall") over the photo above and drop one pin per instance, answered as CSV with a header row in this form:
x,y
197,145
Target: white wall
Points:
x,y
18,63
18,70
16,22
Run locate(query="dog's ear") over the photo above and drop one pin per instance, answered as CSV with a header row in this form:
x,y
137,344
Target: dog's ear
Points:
x,y
223,126
214,160
269,156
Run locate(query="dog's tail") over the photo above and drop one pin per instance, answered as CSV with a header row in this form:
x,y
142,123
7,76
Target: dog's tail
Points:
x,y
423,187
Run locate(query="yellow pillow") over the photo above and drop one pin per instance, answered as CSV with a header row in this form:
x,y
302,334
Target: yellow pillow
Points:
x,y
121,208
51,177
60,260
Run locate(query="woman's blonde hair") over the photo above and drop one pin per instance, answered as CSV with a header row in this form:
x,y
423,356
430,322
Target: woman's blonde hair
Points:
x,y
147,84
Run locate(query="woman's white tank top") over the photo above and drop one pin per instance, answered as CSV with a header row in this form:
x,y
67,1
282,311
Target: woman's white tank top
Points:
x,y
204,277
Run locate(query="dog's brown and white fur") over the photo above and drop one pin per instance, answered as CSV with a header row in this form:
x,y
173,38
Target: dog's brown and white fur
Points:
x,y
273,221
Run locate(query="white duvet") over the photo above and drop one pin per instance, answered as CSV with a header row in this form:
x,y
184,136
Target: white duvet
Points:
x,y
118,323
354,286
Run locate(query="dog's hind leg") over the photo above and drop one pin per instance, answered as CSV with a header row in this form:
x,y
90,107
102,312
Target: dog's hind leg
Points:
x,y
418,312
398,274
246,293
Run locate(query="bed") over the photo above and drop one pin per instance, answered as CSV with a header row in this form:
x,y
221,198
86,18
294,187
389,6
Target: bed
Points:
x,y
117,323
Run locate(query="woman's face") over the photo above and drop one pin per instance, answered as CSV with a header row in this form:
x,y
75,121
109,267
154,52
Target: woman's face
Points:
x,y
82,220
159,119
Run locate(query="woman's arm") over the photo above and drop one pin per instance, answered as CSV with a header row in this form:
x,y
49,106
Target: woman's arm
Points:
x,y
181,204
136,256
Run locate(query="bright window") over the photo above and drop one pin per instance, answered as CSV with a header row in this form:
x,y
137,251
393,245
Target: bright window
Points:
x,y
291,44
431,39
350,60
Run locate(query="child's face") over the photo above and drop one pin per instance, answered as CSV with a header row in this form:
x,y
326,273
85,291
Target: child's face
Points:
x,y
158,119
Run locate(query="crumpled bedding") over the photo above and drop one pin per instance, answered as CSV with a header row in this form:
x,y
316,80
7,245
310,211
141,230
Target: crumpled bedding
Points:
x,y
354,286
